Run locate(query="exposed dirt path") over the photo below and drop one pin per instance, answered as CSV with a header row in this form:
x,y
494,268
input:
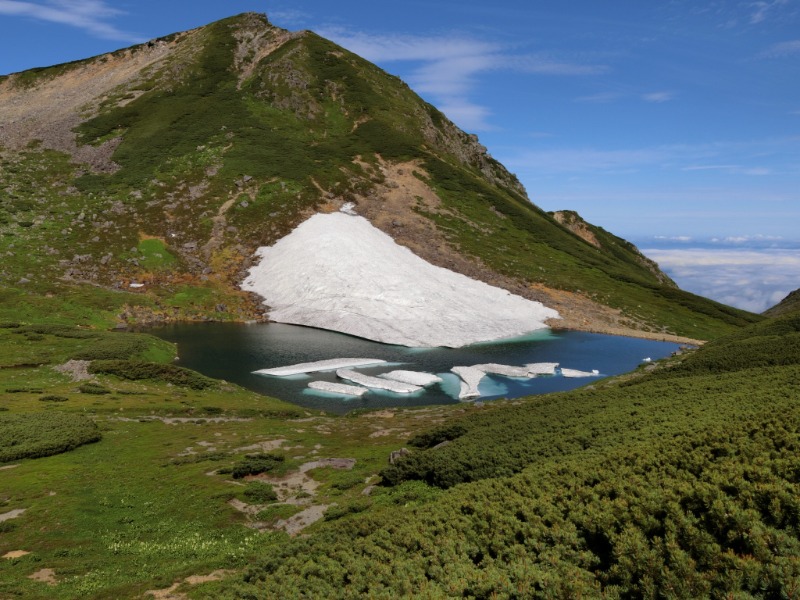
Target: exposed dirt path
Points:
x,y
47,576
13,514
171,592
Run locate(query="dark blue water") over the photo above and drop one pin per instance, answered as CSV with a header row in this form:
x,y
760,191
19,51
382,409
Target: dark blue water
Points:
x,y
231,351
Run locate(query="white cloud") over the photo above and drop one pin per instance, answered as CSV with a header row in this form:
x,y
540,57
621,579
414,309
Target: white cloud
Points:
x,y
734,169
748,239
448,67
748,279
782,49
711,168
668,157
658,97
288,16
760,11
675,238
600,98
92,16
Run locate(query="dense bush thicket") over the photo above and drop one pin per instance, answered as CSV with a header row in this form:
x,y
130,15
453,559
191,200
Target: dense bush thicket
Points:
x,y
503,442
258,492
103,345
705,515
255,464
114,346
32,435
434,437
136,370
685,486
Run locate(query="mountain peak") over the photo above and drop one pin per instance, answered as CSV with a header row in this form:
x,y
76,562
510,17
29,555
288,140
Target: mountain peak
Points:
x,y
169,163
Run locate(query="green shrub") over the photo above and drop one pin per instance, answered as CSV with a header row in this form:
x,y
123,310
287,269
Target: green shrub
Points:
x,y
32,435
138,370
113,346
255,464
190,459
274,512
93,388
429,439
348,481
53,398
337,511
64,331
258,492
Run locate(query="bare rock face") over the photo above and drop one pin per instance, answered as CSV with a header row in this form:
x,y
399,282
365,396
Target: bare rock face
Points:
x,y
398,454
576,225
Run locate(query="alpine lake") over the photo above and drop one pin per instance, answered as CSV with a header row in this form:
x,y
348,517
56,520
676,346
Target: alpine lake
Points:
x,y
232,351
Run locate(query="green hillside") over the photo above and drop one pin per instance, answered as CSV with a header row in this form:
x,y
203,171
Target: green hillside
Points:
x,y
232,137
790,304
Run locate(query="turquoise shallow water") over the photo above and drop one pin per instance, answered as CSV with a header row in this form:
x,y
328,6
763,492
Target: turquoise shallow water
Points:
x,y
231,351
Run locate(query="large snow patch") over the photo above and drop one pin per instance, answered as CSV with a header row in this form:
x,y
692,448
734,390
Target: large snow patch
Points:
x,y
338,272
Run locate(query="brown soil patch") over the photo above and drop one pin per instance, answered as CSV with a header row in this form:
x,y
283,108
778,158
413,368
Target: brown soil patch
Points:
x,y
386,432
380,414
16,554
78,370
47,576
171,592
262,446
12,514
289,486
295,524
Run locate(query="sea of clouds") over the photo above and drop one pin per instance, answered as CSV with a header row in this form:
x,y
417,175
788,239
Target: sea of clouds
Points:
x,y
749,272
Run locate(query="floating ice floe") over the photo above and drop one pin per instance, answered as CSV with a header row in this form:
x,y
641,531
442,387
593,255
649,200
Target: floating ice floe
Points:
x,y
576,373
320,365
470,379
541,368
377,382
338,388
506,370
412,377
339,272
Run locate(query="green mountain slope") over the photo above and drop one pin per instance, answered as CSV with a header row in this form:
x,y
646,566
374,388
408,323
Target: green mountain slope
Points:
x,y
167,164
788,305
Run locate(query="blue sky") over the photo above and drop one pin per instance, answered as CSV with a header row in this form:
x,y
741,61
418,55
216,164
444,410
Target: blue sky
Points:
x,y
677,119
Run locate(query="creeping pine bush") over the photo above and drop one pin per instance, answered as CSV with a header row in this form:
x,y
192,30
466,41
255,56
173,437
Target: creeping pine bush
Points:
x,y
258,492
254,464
32,435
93,388
53,398
137,370
111,346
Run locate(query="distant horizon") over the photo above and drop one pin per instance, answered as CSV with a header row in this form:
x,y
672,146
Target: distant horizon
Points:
x,y
751,274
